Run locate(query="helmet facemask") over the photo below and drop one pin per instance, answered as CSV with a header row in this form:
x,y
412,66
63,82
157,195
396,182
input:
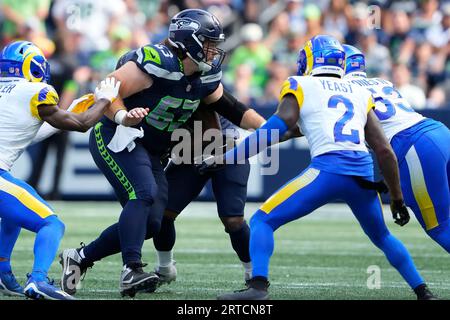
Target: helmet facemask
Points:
x,y
212,56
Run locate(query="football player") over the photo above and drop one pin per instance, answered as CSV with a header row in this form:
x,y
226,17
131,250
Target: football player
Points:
x,y
229,185
337,118
422,147
26,101
230,191
171,78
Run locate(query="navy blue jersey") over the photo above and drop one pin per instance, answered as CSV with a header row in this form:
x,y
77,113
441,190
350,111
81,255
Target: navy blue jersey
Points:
x,y
228,128
173,97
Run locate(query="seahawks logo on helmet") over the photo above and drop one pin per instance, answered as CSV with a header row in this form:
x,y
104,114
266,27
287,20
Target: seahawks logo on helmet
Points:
x,y
187,24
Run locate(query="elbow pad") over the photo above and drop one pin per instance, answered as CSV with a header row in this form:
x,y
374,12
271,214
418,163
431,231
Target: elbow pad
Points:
x,y
230,108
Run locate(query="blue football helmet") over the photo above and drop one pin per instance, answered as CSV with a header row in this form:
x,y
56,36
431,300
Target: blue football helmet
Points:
x,y
196,33
323,54
355,63
23,59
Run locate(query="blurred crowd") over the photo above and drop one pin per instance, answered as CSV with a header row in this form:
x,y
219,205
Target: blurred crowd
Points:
x,y
404,41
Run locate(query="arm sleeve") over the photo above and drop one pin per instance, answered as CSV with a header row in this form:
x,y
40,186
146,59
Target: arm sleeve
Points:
x,y
230,108
269,134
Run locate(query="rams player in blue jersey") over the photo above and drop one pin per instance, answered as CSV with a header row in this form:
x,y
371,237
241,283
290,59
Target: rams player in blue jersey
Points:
x,y
26,101
171,79
336,118
422,147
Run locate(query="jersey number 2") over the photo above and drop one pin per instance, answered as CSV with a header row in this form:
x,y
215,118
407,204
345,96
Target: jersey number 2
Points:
x,y
339,135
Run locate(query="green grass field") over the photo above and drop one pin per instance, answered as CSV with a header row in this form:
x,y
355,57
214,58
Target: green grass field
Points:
x,y
323,256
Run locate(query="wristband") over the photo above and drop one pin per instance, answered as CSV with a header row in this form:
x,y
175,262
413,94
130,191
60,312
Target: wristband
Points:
x,y
120,116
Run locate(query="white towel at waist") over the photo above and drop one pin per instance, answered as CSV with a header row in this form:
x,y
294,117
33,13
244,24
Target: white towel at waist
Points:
x,y
124,138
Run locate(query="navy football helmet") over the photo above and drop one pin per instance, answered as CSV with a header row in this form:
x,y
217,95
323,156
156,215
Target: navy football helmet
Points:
x,y
23,59
323,54
196,33
355,63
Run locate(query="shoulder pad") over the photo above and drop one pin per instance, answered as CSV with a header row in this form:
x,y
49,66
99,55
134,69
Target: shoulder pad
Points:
x,y
46,96
158,61
125,58
292,85
214,75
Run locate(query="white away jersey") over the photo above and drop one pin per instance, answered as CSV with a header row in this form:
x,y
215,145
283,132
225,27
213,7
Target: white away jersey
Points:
x,y
393,111
333,112
19,117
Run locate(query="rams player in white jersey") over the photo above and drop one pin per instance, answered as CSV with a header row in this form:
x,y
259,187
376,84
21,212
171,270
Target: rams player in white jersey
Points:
x,y
422,147
26,101
337,118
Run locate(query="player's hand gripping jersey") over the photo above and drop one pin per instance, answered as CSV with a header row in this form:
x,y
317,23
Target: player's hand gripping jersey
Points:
x,y
393,111
19,103
333,113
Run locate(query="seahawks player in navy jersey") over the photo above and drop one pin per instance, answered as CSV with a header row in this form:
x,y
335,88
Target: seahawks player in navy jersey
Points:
x,y
229,186
171,80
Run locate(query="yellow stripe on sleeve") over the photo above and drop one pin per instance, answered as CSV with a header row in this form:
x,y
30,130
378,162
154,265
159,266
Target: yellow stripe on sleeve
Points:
x,y
291,86
46,96
26,198
420,189
289,189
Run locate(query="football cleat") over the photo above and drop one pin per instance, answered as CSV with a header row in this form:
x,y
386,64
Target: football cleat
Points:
x,y
166,274
9,285
74,270
256,290
44,290
423,293
133,279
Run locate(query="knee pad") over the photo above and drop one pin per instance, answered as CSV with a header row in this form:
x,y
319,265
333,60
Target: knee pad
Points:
x,y
258,217
153,227
233,224
148,194
55,223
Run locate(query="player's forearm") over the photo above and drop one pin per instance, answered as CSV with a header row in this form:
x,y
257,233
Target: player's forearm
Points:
x,y
259,140
251,120
117,105
387,162
292,133
65,120
89,118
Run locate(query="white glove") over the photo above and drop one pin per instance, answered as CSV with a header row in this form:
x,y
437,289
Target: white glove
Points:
x,y
108,89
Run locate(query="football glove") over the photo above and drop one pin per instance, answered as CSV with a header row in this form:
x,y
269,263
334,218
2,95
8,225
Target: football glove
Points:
x,y
399,212
378,186
82,104
108,89
209,164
